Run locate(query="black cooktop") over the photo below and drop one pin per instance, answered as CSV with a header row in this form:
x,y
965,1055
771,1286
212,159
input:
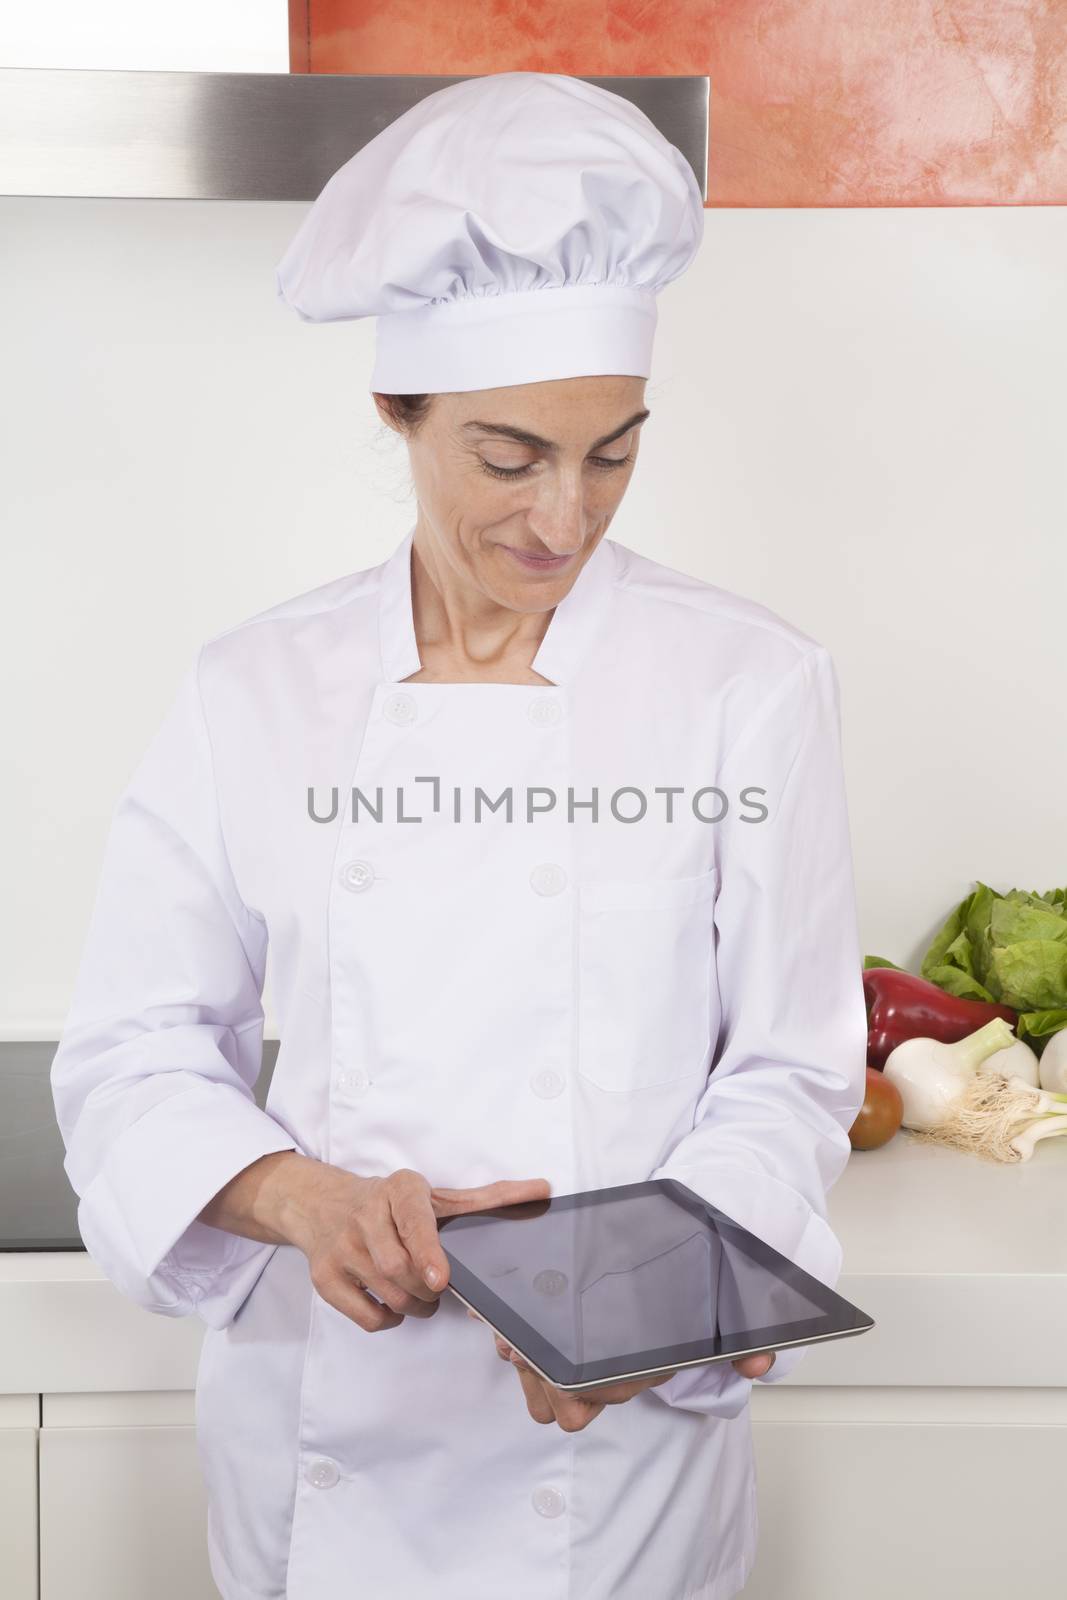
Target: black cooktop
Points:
x,y
38,1207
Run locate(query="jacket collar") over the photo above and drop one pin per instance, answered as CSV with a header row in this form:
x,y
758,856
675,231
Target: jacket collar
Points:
x,y
568,637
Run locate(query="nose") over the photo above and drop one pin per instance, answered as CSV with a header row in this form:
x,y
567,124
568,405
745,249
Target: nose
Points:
x,y
558,515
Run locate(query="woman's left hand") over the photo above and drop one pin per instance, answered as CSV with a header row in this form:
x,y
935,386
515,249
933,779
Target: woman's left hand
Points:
x,y
573,1412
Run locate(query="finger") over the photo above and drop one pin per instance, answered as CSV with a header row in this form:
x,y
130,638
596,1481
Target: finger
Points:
x,y
572,1412
415,1224
340,1291
391,1295
754,1366
383,1274
578,1414
378,1260
505,1192
536,1399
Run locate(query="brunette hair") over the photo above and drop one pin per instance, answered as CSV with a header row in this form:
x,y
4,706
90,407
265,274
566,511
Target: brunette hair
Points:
x,y
408,411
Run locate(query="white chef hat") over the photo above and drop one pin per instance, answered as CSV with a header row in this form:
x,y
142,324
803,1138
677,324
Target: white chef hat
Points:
x,y
506,229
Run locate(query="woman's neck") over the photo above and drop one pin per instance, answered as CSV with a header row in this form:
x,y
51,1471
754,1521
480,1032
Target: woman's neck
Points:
x,y
463,636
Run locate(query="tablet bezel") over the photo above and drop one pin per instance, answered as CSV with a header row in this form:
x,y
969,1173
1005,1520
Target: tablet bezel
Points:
x,y
843,1320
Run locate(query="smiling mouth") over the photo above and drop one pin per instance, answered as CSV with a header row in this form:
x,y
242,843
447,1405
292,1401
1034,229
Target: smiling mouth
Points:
x,y
531,560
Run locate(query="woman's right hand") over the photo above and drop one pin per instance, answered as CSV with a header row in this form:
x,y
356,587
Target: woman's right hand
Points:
x,y
380,1235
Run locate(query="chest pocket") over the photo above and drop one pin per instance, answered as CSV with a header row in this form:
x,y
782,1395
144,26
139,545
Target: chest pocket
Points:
x,y
646,958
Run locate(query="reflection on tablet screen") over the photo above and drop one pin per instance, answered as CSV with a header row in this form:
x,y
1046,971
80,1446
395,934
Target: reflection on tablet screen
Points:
x,y
637,1272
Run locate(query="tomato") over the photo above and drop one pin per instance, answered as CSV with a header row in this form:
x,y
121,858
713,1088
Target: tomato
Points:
x,y
880,1115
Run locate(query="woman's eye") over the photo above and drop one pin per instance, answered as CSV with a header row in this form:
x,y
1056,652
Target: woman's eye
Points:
x,y
604,463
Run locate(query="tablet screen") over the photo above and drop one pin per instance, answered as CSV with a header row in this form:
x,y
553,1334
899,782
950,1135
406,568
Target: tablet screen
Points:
x,y
613,1282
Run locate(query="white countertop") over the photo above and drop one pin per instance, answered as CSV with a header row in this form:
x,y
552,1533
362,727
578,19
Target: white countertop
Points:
x,y
914,1208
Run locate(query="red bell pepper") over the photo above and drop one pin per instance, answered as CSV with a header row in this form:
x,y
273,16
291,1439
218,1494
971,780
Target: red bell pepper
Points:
x,y
901,1006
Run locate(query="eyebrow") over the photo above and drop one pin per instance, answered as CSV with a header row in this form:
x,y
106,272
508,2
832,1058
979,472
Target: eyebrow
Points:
x,y
521,436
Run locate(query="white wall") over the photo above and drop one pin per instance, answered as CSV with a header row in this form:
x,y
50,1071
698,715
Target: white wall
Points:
x,y
858,420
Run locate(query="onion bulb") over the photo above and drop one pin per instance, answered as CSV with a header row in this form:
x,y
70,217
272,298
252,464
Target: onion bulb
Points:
x,y
953,1095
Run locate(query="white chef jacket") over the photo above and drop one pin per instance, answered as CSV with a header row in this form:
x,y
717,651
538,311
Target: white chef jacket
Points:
x,y
505,992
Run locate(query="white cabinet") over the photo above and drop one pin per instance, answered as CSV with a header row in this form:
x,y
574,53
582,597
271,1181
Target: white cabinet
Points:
x,y
102,1393
887,1492
122,1504
18,1496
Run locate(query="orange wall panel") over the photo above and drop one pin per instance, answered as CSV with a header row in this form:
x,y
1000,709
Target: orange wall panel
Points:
x,y
813,102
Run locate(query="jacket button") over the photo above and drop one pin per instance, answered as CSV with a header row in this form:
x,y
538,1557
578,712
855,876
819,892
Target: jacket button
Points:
x,y
548,878
547,1501
356,875
550,1281
323,1473
546,1083
401,708
544,712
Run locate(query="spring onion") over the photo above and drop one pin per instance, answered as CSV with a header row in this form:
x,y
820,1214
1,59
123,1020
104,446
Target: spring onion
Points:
x,y
952,1097
1052,1068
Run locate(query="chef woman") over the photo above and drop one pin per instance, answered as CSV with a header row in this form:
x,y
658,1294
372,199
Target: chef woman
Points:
x,y
549,847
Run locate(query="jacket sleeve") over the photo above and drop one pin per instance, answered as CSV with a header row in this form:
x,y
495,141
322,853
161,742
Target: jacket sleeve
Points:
x,y
161,1048
770,1134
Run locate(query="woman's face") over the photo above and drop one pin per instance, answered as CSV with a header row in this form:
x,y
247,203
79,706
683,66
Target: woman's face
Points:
x,y
534,469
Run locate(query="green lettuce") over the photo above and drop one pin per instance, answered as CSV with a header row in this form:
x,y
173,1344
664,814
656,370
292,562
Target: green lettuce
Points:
x,y
1010,949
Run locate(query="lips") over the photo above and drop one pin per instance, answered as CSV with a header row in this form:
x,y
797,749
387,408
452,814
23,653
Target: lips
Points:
x,y
546,563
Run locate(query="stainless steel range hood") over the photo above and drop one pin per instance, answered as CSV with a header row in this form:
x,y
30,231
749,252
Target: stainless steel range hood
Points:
x,y
240,135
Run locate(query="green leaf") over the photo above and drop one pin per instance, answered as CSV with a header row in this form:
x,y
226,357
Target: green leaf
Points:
x,y
977,925
1008,948
1012,921
959,955
953,981
880,961
1040,1024
949,931
1032,973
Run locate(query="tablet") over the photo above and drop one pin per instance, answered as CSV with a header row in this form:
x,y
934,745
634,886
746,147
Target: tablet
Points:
x,y
631,1281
